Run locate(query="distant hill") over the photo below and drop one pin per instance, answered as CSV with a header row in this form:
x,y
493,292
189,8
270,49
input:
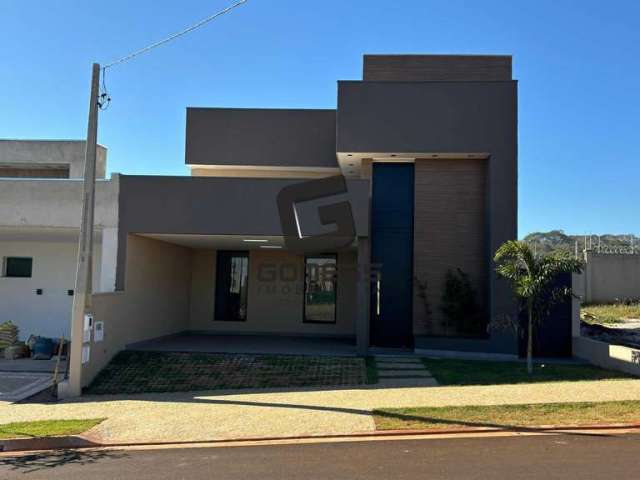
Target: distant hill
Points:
x,y
558,241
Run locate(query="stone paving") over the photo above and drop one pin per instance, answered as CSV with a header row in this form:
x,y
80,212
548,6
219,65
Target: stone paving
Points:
x,y
398,371
148,372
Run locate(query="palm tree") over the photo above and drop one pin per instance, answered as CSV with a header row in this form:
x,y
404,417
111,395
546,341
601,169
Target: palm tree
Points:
x,y
532,280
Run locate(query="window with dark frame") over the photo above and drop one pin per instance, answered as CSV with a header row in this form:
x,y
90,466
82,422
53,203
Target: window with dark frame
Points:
x,y
320,288
232,284
17,267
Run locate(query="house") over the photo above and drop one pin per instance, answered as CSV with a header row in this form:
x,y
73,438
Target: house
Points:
x,y
331,223
41,198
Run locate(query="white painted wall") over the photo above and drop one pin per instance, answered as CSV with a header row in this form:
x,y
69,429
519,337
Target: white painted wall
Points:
x,y
54,264
40,218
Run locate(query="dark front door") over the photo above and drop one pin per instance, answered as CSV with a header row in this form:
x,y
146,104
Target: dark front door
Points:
x,y
392,251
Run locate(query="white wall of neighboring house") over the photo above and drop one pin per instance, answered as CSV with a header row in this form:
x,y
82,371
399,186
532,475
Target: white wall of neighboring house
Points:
x,y
53,271
40,219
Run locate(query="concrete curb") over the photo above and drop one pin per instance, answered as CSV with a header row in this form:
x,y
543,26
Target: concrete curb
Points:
x,y
47,443
86,442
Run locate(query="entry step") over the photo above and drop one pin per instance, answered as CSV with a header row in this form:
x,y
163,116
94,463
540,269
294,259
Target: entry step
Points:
x,y
399,366
407,382
404,373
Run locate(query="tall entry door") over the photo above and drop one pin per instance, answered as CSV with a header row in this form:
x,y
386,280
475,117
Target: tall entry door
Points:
x,y
392,251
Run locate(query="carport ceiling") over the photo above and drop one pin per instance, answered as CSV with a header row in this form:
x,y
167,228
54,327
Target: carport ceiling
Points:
x,y
220,242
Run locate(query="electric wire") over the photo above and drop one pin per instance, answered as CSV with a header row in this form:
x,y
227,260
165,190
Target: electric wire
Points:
x,y
105,98
191,28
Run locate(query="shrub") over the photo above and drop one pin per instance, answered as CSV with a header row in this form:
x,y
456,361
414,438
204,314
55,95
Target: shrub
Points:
x,y
459,303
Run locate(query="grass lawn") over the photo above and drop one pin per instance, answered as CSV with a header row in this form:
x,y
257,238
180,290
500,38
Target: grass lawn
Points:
x,y
604,314
160,372
434,418
47,428
473,372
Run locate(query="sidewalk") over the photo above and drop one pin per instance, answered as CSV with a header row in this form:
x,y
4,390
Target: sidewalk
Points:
x,y
207,416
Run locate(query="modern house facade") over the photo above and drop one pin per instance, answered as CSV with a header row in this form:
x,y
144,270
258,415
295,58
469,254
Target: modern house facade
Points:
x,y
412,177
337,223
41,198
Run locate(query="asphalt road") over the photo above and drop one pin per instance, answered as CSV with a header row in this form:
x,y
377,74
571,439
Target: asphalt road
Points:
x,y
541,457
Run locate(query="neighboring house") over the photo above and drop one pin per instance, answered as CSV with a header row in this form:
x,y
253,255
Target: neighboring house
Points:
x,y
40,198
428,147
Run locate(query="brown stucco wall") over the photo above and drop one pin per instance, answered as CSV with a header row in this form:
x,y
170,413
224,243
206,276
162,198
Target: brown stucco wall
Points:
x,y
449,232
154,303
273,307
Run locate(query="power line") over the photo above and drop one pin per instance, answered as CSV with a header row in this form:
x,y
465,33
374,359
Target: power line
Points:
x,y
191,28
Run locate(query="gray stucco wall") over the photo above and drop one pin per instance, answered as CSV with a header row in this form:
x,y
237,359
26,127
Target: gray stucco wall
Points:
x,y
261,137
610,277
446,117
51,152
55,203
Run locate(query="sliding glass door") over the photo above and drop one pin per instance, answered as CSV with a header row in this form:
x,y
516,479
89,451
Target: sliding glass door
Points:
x,y
232,283
320,289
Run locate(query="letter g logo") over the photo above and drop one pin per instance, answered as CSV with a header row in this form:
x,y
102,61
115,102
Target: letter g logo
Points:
x,y
338,214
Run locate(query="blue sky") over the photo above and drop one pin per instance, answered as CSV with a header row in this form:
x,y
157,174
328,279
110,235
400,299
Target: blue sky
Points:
x,y
577,62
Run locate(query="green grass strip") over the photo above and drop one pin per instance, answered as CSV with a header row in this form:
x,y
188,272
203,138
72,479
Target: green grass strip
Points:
x,y
47,428
475,372
507,416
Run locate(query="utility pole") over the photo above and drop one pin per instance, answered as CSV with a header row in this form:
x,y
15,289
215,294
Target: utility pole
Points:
x,y
83,287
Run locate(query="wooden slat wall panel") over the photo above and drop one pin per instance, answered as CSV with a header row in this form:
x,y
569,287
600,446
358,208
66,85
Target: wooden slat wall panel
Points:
x,y
449,232
432,68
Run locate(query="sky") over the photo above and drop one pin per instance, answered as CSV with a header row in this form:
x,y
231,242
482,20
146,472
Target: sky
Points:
x,y
577,64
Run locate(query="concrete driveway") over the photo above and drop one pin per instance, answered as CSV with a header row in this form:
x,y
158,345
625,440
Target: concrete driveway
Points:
x,y
16,386
24,377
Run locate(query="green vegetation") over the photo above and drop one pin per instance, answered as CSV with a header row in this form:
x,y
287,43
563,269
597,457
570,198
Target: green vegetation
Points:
x,y
532,281
506,416
473,372
372,370
459,306
603,314
556,241
47,428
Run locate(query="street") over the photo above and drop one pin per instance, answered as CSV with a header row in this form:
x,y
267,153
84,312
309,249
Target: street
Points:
x,y
568,456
